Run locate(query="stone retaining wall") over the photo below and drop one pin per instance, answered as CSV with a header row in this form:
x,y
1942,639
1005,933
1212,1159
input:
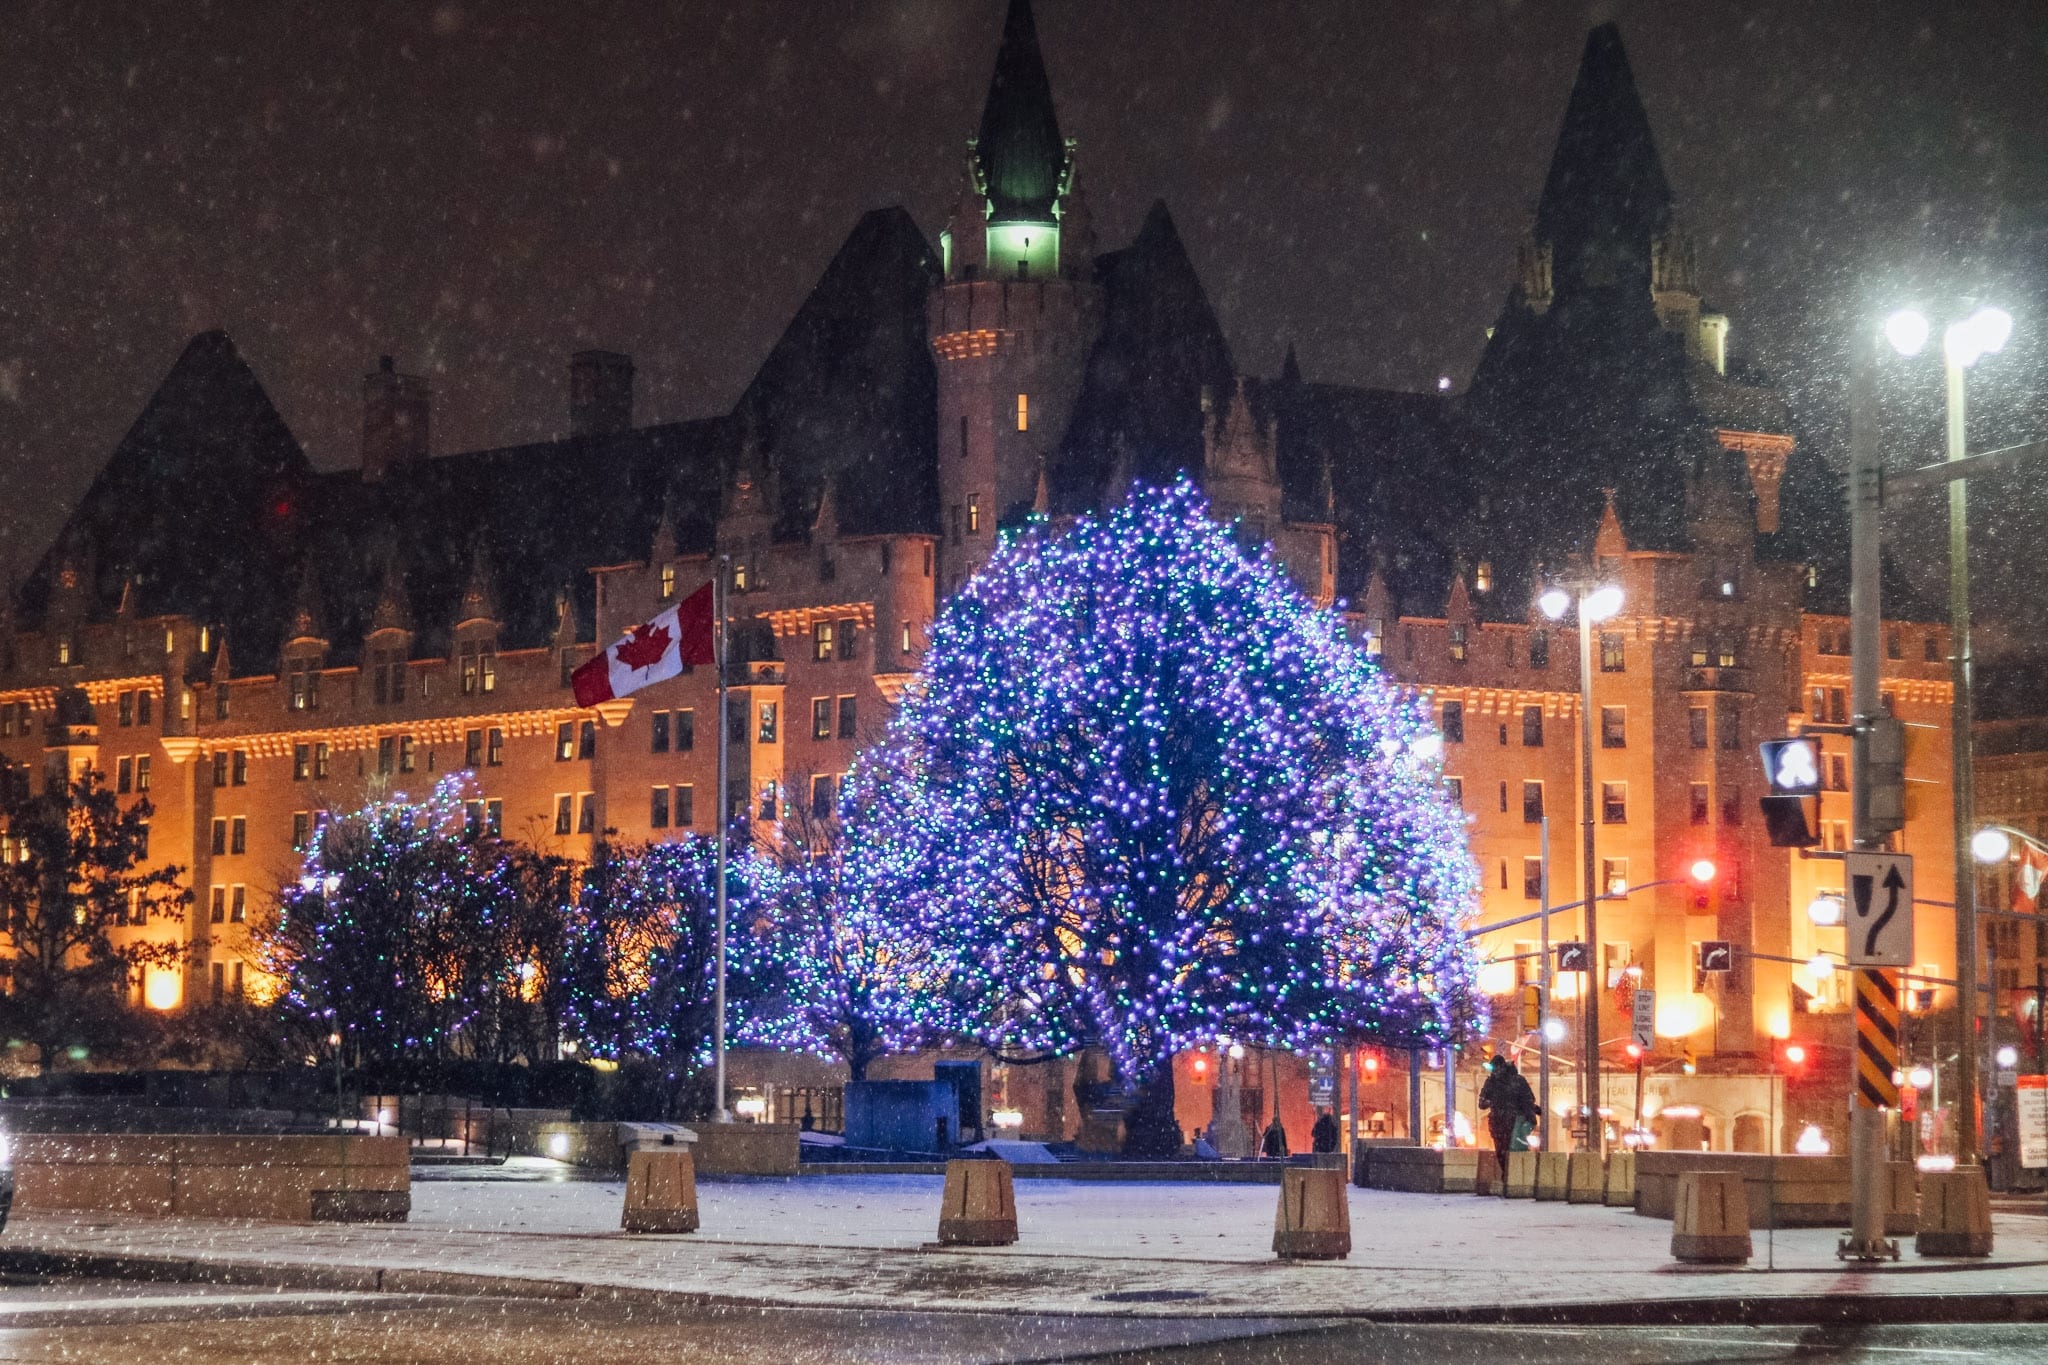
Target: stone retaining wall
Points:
x,y
287,1178
1784,1191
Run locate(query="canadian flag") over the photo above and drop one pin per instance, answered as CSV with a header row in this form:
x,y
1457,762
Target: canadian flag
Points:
x,y
2027,875
681,637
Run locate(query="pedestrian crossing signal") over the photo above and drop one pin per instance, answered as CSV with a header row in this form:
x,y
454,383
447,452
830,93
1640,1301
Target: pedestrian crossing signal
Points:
x,y
1792,766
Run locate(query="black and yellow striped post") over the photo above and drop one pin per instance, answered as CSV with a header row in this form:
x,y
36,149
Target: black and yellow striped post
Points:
x,y
1877,1038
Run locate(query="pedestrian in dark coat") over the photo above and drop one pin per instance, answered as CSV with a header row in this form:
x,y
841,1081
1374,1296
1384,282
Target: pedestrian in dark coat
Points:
x,y
1508,1102
1324,1136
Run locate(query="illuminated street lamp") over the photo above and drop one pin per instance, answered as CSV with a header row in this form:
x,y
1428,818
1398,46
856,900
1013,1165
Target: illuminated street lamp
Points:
x,y
1597,602
1825,910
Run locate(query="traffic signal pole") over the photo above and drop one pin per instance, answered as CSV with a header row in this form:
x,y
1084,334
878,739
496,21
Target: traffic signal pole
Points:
x,y
1866,1240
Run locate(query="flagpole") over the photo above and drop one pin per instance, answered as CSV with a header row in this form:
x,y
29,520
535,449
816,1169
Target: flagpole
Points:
x,y
724,815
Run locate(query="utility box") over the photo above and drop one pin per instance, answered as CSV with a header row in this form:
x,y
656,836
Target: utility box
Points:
x,y
903,1116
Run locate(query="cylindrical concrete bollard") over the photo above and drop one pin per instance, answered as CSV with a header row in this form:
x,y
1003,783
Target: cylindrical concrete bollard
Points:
x,y
1710,1222
661,1191
1585,1178
980,1205
1619,1192
1521,1176
1553,1174
1955,1213
1313,1222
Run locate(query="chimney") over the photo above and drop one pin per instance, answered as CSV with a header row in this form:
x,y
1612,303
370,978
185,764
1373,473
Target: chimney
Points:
x,y
396,408
600,393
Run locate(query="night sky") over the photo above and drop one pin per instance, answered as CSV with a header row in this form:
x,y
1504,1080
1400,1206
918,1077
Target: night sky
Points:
x,y
480,188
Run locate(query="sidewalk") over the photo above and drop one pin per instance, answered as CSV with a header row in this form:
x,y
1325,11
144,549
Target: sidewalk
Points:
x,y
1086,1248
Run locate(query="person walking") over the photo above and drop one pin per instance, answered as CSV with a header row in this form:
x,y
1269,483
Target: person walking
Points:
x,y
1325,1135
1510,1107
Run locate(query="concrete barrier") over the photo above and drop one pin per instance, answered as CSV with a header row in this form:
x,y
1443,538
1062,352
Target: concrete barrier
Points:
x,y
1553,1174
284,1177
746,1148
594,1146
1901,1198
661,1191
1955,1213
1619,1190
1313,1221
1710,1223
1486,1174
1423,1170
979,1208
1585,1180
1784,1191
1521,1179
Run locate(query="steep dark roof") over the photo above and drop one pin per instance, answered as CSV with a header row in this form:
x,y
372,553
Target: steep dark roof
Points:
x,y
1019,150
1605,198
199,504
849,393
1140,406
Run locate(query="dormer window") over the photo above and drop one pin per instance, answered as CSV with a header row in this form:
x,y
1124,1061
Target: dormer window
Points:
x,y
170,640
739,576
1458,643
668,581
479,660
302,684
67,648
1482,577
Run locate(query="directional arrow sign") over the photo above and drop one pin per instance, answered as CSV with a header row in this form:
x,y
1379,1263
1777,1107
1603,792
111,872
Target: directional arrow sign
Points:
x,y
1717,955
1573,957
1880,923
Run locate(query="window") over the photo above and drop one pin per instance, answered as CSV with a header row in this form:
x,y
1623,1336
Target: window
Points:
x,y
238,834
125,781
849,637
1454,787
1539,649
1724,654
1838,772
217,906
1453,724
220,701
144,702
659,743
238,905
473,819
142,840
1696,718
1375,637
822,806
220,769
1614,876
586,739
241,768
1023,412
1532,802
973,514
1614,803
67,650
1532,727
387,754
564,812
821,718
768,803
565,738
321,754
302,830
220,836
1838,706
479,661
1728,721
1931,649
1731,806
1503,797
1698,655
302,762
767,730
1532,879
684,807
494,748
1458,643
407,758
668,581
302,681
657,808
906,637
127,712
821,640
387,677
684,730
846,717
1614,727
1894,645
1701,810
472,748
142,773
586,813
1612,656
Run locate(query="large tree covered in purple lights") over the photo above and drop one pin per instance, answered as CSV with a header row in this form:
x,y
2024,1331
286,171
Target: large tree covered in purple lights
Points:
x,y
1156,796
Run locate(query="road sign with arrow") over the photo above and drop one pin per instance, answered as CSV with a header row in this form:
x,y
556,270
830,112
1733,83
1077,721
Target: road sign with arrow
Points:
x,y
1880,921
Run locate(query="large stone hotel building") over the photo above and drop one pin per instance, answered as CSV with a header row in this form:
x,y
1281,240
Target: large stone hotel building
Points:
x,y
251,643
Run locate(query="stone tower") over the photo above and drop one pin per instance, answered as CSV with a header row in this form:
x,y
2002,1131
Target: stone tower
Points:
x,y
1012,322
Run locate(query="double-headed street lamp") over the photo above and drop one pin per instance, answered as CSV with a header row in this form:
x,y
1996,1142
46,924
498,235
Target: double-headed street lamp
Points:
x,y
1964,343
1597,602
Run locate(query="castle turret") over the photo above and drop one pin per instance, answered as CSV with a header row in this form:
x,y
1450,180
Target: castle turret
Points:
x,y
1012,323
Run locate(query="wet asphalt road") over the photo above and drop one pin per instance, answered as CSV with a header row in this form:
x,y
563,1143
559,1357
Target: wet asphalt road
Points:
x,y
139,1324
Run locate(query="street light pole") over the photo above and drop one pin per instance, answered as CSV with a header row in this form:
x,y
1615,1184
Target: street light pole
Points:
x,y
1543,1000
1589,1041
1963,769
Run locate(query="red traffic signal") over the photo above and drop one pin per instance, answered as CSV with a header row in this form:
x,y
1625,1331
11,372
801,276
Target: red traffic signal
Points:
x,y
1794,1054
1703,871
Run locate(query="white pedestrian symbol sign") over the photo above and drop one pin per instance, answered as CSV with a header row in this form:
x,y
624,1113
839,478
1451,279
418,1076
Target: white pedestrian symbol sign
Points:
x,y
1796,768
1880,927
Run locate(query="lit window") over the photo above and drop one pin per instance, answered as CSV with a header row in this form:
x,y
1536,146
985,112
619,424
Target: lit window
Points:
x,y
1482,578
821,718
565,739
1458,647
1614,803
1612,657
494,752
767,722
238,905
821,640
1023,412
668,581
973,513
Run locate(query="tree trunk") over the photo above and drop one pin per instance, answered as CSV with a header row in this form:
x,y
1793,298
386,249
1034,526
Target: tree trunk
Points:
x,y
1150,1129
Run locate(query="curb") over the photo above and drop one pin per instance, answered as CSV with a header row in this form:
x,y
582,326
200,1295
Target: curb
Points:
x,y
1793,1310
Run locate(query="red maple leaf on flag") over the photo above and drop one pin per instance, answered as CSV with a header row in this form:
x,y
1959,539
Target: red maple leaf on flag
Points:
x,y
642,647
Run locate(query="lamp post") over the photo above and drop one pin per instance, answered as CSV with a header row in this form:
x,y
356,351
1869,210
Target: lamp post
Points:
x,y
1964,343
1596,603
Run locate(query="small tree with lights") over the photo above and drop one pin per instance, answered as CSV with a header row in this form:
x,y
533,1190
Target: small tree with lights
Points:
x,y
1155,796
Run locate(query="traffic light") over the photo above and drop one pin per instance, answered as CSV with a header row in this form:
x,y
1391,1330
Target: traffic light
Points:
x,y
1884,786
1635,1052
1370,1065
1791,779
1691,1063
1532,1007
1794,1056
